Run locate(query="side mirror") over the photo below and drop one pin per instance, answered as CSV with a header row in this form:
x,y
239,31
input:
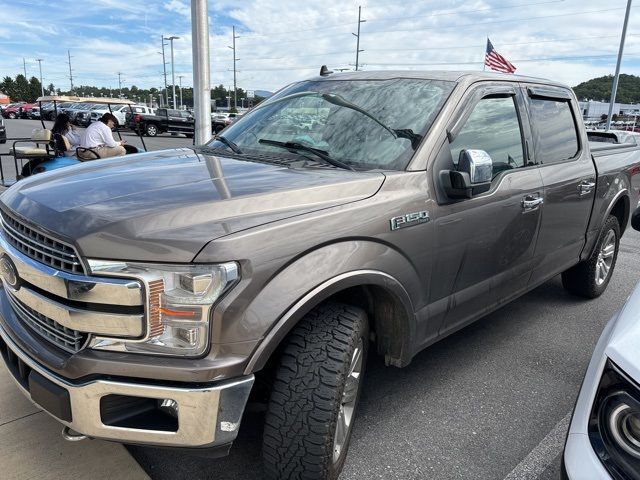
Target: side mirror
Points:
x,y
473,176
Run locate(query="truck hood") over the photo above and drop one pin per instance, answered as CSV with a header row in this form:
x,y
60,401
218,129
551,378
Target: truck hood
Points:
x,y
622,345
165,206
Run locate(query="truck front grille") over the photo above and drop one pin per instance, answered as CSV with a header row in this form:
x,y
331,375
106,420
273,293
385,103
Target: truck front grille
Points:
x,y
67,339
41,247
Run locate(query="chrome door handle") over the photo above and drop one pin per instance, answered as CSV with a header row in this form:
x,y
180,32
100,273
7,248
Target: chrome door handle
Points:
x,y
531,202
586,186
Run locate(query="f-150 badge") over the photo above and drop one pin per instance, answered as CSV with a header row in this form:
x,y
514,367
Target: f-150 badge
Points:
x,y
409,219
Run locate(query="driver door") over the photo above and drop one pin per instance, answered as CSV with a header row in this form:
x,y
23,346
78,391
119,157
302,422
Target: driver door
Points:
x,y
486,243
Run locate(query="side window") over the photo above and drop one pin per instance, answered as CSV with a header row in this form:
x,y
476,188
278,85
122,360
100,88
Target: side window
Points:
x,y
493,126
554,130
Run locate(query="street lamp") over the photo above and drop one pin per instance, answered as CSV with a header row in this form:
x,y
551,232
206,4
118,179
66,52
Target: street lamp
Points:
x,y
180,79
173,70
39,60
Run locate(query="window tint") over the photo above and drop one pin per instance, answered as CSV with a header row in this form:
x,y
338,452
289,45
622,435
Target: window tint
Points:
x,y
554,130
493,127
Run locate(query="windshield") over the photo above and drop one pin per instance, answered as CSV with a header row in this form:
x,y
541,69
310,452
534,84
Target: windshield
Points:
x,y
362,123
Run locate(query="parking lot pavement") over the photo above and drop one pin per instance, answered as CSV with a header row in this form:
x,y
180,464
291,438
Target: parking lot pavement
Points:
x,y
31,446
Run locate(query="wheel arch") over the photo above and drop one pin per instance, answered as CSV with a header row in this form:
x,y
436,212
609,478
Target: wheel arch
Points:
x,y
385,300
620,207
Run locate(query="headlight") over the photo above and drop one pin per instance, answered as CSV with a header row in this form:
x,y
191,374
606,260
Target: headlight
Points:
x,y
614,424
179,303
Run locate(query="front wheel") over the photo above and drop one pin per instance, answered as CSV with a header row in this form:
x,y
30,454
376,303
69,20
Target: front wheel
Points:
x,y
590,277
12,115
315,394
151,130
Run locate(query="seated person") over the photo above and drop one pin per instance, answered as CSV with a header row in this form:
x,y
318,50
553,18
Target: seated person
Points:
x,y
65,138
99,139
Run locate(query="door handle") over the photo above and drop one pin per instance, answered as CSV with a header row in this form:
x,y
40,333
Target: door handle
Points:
x,y
531,202
585,186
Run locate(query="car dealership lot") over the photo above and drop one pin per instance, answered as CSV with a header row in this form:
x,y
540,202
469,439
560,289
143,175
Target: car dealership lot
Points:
x,y
491,401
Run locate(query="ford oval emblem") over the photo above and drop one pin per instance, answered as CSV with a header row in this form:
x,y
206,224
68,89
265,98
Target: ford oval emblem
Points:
x,y
9,272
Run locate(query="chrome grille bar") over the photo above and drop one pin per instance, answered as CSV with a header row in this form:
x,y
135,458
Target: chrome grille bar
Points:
x,y
67,339
40,246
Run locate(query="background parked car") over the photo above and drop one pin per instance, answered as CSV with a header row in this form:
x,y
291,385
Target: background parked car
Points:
x,y
3,131
14,110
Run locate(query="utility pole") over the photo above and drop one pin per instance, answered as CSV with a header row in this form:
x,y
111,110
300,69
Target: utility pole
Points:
x,y
173,71
201,71
70,71
235,95
357,35
180,79
24,64
39,60
119,84
164,66
614,88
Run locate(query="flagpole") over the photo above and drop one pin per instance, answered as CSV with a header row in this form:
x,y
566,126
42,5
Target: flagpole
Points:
x,y
484,61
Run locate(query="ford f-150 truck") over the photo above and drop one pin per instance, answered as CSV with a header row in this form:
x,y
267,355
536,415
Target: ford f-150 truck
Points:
x,y
148,300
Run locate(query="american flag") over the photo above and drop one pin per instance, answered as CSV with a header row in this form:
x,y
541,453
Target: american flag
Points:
x,y
497,62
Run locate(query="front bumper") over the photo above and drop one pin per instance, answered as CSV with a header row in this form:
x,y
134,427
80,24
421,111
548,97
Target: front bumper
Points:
x,y
580,462
207,415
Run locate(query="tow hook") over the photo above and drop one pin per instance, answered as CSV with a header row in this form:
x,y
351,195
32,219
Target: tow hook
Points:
x,y
72,436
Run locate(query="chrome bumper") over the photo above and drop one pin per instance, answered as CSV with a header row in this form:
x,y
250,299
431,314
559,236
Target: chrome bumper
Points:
x,y
207,416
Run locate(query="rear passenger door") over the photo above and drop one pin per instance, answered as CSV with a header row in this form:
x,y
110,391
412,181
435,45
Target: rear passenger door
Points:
x,y
568,178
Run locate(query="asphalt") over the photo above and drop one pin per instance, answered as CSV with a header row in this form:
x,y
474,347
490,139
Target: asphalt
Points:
x,y
489,402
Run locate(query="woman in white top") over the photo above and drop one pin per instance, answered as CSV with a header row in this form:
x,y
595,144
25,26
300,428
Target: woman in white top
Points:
x,y
98,140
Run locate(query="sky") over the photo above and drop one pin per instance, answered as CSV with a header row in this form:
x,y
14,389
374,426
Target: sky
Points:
x,y
282,41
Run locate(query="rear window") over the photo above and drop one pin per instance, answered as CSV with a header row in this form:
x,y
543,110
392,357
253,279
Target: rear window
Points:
x,y
554,129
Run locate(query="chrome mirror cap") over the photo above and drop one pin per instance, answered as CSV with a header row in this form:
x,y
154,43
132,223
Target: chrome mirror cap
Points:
x,y
478,164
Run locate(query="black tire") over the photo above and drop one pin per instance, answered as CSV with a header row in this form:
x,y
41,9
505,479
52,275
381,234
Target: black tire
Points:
x,y
151,129
307,394
188,135
12,115
586,279
217,128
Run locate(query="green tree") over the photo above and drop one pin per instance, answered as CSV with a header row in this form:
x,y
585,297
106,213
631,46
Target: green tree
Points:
x,y
22,88
34,89
8,87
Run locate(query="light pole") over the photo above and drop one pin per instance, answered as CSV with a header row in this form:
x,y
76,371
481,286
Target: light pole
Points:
x,y
180,79
235,96
39,60
173,69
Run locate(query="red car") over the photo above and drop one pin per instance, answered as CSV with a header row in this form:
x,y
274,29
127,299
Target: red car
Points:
x,y
18,110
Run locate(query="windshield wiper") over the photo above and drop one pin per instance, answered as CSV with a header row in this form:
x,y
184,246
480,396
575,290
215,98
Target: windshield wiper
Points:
x,y
316,151
228,143
341,102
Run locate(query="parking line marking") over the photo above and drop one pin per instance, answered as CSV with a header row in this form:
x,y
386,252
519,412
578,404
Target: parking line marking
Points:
x,y
545,452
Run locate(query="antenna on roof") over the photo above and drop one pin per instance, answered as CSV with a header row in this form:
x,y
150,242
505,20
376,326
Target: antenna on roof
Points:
x,y
324,71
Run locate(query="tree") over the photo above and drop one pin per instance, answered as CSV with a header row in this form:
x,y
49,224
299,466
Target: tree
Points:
x,y
34,90
51,90
8,87
22,88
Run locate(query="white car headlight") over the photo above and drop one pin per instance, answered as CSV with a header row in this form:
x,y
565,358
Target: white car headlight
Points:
x,y
179,303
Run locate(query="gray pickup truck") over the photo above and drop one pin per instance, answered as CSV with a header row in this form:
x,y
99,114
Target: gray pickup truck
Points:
x,y
147,299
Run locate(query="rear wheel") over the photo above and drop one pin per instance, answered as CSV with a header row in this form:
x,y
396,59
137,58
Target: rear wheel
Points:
x,y
12,115
315,394
590,277
151,130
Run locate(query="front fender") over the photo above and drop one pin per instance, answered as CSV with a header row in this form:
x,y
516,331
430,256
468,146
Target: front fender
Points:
x,y
321,273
